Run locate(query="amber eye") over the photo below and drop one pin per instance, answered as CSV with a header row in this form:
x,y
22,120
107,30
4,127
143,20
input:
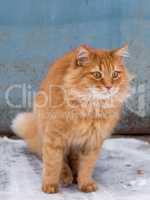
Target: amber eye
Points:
x,y
115,75
97,75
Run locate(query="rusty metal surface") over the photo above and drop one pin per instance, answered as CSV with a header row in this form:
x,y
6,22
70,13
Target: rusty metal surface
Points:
x,y
33,33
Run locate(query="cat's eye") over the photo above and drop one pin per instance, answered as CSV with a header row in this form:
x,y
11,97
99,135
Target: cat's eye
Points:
x,y
115,74
97,75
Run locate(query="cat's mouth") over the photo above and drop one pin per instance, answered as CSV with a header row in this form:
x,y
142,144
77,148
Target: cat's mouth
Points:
x,y
97,94
93,93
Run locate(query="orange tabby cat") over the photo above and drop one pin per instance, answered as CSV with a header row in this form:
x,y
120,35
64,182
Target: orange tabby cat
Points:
x,y
78,105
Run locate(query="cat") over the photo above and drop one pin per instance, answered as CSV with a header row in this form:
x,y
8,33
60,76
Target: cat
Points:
x,y
77,107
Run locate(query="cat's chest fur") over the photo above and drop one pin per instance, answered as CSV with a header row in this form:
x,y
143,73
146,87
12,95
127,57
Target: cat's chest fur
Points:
x,y
86,134
91,125
92,121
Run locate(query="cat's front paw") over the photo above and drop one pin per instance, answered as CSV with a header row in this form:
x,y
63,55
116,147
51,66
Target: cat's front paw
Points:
x,y
50,188
89,186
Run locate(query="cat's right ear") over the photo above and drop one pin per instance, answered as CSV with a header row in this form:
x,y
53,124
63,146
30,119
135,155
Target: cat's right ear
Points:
x,y
121,52
82,56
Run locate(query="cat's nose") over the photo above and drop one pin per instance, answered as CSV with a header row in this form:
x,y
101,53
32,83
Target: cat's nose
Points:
x,y
108,87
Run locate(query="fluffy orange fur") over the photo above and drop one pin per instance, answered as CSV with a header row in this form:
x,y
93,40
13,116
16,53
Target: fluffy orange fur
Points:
x,y
77,107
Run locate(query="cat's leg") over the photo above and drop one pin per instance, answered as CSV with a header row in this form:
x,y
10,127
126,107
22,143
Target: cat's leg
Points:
x,y
86,166
74,164
66,174
52,164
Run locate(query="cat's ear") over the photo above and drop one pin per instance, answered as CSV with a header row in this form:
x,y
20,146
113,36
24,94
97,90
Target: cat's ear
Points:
x,y
82,55
122,52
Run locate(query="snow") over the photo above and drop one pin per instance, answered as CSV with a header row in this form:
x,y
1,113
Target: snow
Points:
x,y
122,173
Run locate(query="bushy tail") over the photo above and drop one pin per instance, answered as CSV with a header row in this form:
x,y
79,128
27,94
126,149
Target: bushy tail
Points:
x,y
24,126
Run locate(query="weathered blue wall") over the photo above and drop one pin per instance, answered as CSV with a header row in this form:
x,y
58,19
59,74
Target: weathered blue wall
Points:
x,y
34,32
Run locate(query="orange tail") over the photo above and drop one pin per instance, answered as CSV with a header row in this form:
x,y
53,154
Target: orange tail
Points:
x,y
24,126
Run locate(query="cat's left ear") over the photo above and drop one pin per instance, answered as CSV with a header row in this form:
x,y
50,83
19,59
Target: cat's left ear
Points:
x,y
82,55
122,52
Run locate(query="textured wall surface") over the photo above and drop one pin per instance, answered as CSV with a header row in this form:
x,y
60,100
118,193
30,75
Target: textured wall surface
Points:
x,y
34,32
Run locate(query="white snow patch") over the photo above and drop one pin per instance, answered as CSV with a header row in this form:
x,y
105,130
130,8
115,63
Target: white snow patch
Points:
x,y
116,173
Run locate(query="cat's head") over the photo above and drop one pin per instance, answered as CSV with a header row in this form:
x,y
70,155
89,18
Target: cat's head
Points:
x,y
97,72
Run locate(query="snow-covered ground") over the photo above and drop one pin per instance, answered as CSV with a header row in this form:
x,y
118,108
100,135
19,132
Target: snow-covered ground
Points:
x,y
122,173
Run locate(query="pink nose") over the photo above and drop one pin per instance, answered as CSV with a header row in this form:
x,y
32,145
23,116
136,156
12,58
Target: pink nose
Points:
x,y
108,87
